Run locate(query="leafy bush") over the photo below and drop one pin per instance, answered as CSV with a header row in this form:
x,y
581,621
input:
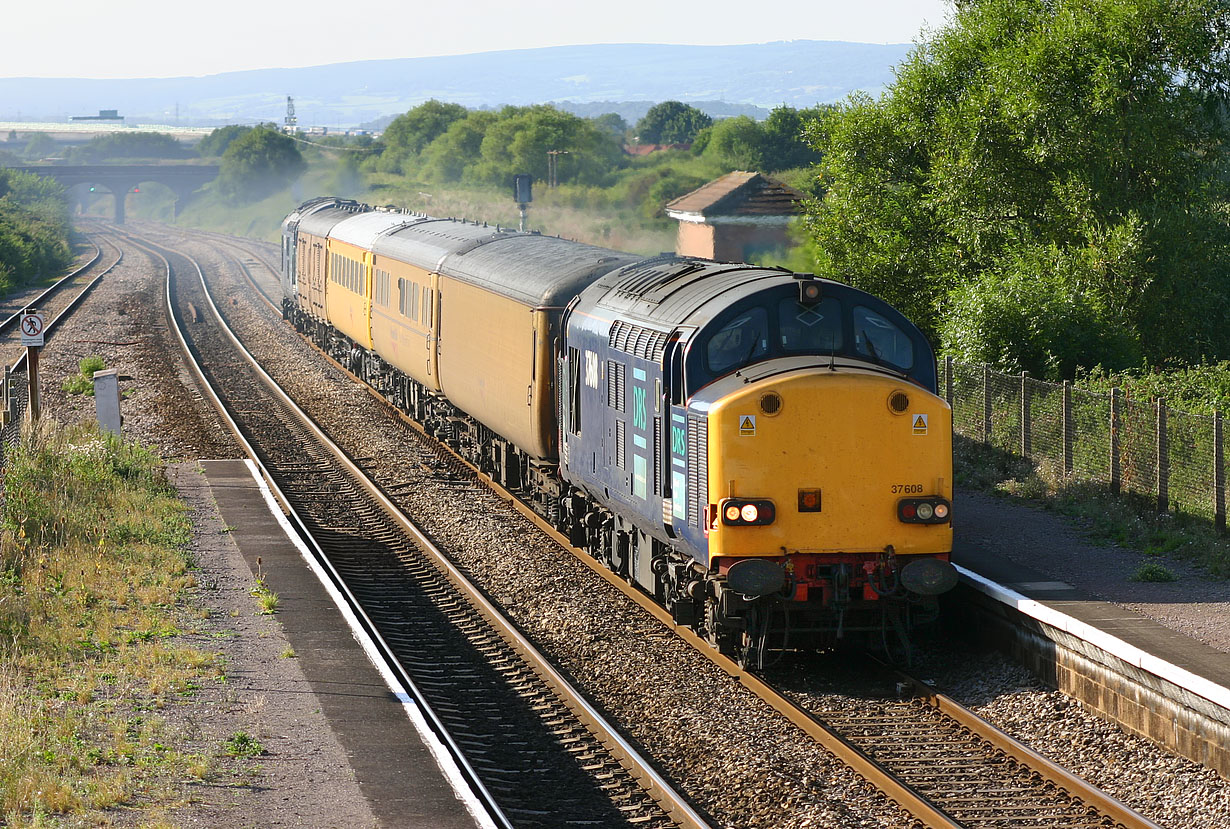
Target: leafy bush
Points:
x,y
257,164
1154,572
34,228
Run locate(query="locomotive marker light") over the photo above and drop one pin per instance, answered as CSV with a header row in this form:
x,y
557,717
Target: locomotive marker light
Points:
x,y
809,289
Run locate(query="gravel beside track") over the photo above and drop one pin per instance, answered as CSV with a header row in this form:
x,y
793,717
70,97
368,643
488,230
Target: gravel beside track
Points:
x,y
739,761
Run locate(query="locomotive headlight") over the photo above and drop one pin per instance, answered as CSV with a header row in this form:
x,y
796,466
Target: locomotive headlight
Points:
x,y
929,510
747,512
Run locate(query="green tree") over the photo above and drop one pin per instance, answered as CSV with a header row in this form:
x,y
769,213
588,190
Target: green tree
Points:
x,y
215,144
613,124
671,122
1044,185
784,145
40,145
519,141
410,133
258,164
736,144
455,153
34,228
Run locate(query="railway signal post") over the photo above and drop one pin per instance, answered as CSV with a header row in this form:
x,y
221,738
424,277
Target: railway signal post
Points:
x,y
32,338
523,194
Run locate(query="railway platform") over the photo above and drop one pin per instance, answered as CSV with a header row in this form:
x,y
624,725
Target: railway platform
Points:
x,y
396,770
1149,677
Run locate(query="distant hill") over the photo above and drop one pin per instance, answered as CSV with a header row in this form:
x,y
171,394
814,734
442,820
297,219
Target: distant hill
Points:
x,y
799,73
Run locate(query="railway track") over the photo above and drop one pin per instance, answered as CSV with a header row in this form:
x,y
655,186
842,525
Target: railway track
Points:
x,y
535,751
57,300
940,763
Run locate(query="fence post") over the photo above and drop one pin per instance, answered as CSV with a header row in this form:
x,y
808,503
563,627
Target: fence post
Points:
x,y
948,381
1026,438
986,403
1163,458
1219,476
1066,421
1114,439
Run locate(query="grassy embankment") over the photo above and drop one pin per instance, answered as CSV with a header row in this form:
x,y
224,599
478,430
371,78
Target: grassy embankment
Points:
x,y
93,573
1126,520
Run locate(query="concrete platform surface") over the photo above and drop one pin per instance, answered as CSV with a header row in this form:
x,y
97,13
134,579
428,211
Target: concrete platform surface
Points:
x,y
392,759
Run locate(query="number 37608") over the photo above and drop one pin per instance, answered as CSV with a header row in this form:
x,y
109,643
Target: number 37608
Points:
x,y
907,489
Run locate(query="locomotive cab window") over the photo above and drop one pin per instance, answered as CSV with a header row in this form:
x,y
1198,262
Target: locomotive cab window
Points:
x,y
740,341
881,340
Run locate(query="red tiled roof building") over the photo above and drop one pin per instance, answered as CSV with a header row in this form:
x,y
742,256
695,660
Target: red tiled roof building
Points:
x,y
735,217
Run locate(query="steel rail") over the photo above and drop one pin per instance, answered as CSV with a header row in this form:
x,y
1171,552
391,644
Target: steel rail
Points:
x,y
671,802
1074,785
50,328
12,320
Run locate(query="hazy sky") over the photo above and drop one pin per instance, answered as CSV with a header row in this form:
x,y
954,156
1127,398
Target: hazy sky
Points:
x,y
167,38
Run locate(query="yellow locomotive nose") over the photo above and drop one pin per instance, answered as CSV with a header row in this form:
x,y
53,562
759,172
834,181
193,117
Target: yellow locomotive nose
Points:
x,y
848,461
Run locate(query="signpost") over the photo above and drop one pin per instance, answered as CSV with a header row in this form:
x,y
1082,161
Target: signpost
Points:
x,y
32,338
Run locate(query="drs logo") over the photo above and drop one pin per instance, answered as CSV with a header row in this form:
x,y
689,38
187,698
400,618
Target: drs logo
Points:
x,y
640,417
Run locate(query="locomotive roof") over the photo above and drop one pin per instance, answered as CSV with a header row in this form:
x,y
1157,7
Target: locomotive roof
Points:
x,y
667,291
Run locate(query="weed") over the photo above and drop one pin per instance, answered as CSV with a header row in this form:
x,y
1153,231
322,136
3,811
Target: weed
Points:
x,y
289,653
87,617
266,598
1152,571
83,381
243,744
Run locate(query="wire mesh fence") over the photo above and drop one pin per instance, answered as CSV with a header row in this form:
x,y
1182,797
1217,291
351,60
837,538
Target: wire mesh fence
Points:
x,y
1136,446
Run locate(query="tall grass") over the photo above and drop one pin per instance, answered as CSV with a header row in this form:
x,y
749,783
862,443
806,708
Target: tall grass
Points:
x,y
93,563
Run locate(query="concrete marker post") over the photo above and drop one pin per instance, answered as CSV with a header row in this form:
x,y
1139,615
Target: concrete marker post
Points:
x,y
107,400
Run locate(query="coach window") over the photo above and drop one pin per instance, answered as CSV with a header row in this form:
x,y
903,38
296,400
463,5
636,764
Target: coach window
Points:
x,y
810,329
881,340
739,341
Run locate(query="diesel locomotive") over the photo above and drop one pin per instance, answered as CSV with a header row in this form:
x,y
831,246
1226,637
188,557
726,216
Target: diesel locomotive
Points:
x,y
762,451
